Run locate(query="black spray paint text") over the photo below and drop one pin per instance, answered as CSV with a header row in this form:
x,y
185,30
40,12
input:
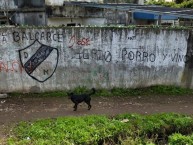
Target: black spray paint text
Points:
x,y
47,36
93,54
139,56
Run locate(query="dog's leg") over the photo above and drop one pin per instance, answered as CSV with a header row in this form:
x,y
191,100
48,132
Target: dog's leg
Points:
x,y
89,107
88,103
75,106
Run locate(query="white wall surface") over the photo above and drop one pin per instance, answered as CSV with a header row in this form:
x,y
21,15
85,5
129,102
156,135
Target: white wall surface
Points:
x,y
60,2
55,58
84,21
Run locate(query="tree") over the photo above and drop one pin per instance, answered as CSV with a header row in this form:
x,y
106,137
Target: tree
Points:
x,y
179,4
179,1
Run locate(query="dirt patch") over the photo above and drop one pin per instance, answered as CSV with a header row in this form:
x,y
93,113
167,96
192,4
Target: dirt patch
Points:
x,y
13,110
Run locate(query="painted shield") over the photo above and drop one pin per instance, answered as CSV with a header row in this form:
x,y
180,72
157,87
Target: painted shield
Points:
x,y
39,61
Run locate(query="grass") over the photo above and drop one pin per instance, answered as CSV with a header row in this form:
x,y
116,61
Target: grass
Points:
x,y
179,139
133,129
67,130
122,92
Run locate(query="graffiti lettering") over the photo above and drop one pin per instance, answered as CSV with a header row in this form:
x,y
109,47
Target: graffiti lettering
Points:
x,y
94,54
101,55
48,36
132,37
10,66
176,57
137,56
83,41
4,39
141,47
164,55
46,72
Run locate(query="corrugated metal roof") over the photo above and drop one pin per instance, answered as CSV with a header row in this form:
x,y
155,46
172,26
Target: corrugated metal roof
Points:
x,y
179,12
147,16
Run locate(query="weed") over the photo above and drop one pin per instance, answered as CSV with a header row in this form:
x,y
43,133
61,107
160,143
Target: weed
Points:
x,y
121,129
122,92
74,130
179,139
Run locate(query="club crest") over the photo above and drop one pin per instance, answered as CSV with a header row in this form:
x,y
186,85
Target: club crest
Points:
x,y
39,61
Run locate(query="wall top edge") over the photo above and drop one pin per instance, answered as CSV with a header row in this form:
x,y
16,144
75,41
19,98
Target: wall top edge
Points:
x,y
100,27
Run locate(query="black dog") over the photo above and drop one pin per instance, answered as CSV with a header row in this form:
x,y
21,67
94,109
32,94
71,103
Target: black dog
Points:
x,y
76,99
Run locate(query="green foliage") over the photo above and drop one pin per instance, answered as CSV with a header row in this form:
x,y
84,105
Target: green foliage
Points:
x,y
161,2
179,139
179,1
124,129
68,130
122,92
80,90
153,90
158,125
186,4
178,4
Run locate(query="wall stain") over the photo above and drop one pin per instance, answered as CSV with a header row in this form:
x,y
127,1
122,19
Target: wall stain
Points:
x,y
188,70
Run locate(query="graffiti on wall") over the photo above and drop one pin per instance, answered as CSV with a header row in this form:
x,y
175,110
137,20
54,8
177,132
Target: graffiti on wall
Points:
x,y
4,37
40,61
175,57
93,54
47,36
138,56
10,66
81,42
35,56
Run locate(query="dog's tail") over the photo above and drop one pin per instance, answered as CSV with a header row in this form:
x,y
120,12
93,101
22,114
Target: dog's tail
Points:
x,y
93,91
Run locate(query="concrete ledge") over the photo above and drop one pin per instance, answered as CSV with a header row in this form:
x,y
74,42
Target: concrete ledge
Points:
x,y
3,96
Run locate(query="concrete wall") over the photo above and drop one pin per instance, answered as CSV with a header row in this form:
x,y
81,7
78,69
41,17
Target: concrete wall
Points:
x,y
24,12
60,2
75,14
81,21
12,4
30,18
55,59
7,4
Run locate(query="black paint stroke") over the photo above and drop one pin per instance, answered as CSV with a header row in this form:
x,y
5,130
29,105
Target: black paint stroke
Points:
x,y
41,54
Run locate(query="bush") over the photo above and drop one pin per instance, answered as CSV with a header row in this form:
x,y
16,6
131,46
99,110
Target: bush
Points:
x,y
67,130
123,92
178,4
179,139
122,129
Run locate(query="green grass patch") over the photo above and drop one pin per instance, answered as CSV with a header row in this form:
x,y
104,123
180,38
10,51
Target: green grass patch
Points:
x,y
125,129
122,92
67,130
179,139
